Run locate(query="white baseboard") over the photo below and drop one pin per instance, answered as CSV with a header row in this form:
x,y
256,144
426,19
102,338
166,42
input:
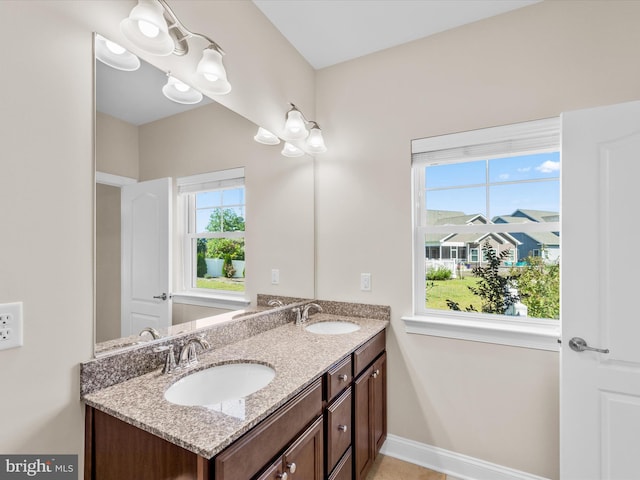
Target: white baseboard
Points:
x,y
455,465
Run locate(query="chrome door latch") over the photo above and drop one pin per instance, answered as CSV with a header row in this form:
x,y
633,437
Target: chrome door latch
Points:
x,y
578,344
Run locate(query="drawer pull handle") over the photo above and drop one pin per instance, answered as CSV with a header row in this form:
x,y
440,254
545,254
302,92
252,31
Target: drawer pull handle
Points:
x,y
342,428
375,373
343,377
292,467
283,475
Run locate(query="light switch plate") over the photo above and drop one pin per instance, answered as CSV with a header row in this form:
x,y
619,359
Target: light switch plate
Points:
x,y
365,282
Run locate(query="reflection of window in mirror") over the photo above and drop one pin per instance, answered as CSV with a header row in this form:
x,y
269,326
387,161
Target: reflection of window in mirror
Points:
x,y
213,206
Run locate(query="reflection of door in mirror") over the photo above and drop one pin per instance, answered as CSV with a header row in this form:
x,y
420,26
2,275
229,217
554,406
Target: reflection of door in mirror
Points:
x,y
146,256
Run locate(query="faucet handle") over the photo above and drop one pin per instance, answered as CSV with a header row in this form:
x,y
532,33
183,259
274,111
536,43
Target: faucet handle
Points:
x,y
298,312
170,360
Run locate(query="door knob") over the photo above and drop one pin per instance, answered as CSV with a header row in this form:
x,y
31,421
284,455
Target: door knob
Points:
x,y
161,297
578,344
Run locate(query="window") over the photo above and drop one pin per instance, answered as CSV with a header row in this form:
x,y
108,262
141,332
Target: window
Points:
x,y
494,193
213,207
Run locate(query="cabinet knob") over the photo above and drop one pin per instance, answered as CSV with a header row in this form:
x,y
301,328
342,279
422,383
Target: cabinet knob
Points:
x,y
342,428
292,467
343,377
283,476
375,373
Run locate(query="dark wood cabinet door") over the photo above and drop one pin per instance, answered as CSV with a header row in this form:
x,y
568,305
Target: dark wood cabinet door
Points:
x,y
305,458
370,415
363,406
119,450
379,384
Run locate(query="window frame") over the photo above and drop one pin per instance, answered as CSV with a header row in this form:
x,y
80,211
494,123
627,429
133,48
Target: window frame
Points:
x,y
188,187
523,138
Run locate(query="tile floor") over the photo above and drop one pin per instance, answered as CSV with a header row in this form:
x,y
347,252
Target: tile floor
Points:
x,y
389,468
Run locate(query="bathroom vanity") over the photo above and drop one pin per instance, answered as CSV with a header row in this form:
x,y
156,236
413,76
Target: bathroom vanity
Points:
x,y
323,416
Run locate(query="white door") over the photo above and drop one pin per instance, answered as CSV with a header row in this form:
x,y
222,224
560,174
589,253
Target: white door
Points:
x,y
600,392
146,254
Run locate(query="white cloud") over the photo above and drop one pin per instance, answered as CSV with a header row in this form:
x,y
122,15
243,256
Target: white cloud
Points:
x,y
504,176
524,169
548,167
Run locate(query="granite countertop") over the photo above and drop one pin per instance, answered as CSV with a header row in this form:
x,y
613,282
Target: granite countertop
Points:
x,y
298,357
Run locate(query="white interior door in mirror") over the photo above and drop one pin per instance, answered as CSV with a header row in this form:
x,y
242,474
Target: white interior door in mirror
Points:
x,y
146,250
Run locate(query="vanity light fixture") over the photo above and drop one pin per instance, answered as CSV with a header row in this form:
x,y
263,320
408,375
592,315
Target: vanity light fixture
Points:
x,y
180,92
112,54
315,142
291,150
294,125
297,127
155,29
265,137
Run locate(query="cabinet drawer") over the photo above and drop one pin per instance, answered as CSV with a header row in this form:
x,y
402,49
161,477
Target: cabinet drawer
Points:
x,y
343,469
248,455
339,377
338,428
368,352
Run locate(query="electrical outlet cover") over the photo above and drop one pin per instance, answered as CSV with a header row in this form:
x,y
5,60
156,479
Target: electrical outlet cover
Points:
x,y
10,325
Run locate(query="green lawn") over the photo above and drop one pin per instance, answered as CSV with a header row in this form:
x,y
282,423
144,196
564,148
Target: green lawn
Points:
x,y
454,289
221,283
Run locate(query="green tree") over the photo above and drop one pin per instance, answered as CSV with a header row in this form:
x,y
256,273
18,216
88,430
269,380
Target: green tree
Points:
x,y
539,287
221,247
225,220
492,288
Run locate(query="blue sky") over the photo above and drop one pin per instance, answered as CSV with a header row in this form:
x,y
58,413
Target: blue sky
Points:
x,y
463,186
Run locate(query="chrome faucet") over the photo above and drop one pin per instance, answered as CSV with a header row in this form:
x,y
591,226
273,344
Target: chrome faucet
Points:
x,y
275,303
188,355
305,311
170,360
154,333
298,312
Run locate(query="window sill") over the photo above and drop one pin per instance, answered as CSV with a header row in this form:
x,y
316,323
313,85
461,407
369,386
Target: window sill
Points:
x,y
217,300
537,335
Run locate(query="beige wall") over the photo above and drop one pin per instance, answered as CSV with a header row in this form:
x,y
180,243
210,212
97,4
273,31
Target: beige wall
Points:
x,y
496,403
108,275
117,148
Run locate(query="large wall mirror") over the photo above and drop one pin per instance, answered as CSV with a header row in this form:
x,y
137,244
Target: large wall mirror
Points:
x,y
143,138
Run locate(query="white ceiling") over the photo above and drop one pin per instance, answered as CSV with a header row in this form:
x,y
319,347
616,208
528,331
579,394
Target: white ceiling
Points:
x,y
327,32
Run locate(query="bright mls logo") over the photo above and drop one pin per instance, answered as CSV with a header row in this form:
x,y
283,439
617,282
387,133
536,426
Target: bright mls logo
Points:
x,y
51,467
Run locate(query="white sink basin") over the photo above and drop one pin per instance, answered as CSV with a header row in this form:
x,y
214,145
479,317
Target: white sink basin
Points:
x,y
219,385
332,327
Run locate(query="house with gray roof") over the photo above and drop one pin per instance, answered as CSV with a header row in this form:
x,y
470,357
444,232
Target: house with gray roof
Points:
x,y
465,247
535,244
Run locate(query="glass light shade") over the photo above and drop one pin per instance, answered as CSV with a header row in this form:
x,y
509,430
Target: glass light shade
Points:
x,y
147,29
115,56
212,77
266,137
180,92
294,126
315,142
290,150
